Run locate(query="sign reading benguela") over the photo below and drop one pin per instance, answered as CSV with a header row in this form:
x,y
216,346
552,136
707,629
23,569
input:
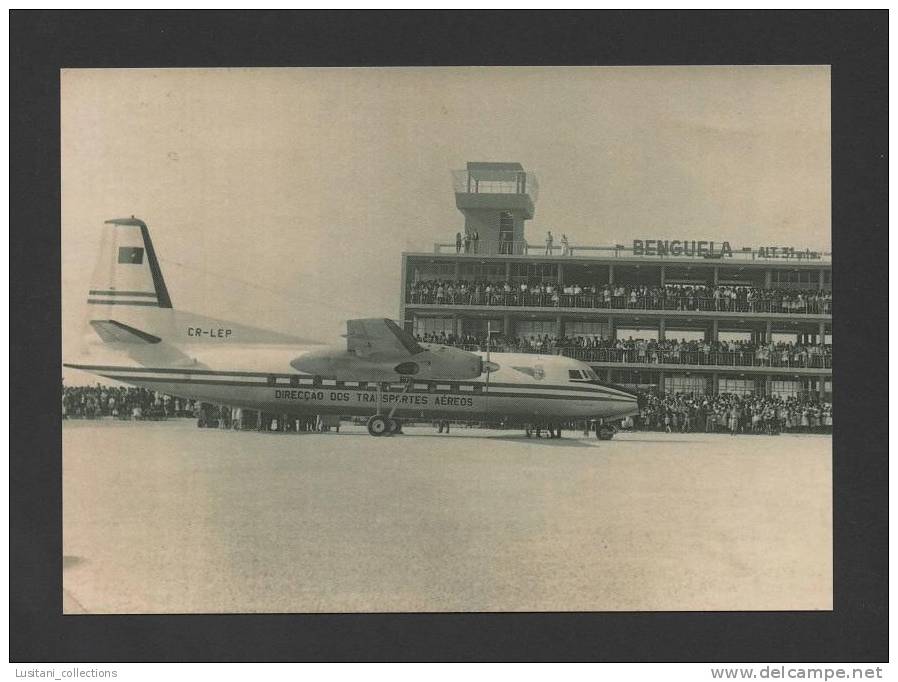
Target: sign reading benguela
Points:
x,y
710,249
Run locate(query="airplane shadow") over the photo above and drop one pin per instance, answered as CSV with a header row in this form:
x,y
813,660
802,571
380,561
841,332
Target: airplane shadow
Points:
x,y
668,441
522,439
550,442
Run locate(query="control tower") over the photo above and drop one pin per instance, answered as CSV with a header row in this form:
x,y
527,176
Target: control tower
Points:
x,y
495,198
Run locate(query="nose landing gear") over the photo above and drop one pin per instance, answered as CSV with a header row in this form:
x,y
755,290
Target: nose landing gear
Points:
x,y
605,431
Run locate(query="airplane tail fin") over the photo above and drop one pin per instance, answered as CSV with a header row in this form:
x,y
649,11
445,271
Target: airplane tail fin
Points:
x,y
129,307
127,273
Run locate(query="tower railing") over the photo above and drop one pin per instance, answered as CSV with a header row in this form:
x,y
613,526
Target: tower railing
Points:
x,y
495,182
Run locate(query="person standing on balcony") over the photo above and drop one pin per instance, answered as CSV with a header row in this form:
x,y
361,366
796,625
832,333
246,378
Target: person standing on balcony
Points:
x,y
549,240
564,245
467,243
475,242
457,242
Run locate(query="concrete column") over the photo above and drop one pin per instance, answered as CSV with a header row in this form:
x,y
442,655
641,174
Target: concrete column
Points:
x,y
610,274
560,277
820,280
506,325
714,331
559,326
456,323
662,275
768,330
715,383
661,382
716,275
768,277
822,333
612,331
822,387
456,271
661,330
507,270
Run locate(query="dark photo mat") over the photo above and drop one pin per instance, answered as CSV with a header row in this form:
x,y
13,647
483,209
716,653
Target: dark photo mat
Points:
x,y
854,43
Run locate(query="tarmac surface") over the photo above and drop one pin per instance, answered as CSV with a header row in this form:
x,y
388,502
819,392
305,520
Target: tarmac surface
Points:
x,y
163,517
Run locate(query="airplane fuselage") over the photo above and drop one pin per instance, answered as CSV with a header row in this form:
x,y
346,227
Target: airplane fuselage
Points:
x,y
525,388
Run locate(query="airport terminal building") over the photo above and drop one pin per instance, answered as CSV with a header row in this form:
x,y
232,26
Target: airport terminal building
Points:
x,y
663,312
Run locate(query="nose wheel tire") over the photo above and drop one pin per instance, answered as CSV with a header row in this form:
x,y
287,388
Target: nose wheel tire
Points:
x,y
378,425
605,432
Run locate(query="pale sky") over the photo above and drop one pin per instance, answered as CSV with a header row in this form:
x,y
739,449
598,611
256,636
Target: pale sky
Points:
x,y
311,182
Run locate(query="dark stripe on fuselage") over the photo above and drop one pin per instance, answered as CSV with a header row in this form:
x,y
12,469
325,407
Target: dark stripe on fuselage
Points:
x,y
259,384
592,388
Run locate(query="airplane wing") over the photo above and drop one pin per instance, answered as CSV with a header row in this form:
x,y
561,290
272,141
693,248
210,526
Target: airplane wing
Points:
x,y
379,338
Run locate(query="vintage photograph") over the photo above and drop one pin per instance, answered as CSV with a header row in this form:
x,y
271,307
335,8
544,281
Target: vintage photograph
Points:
x,y
446,339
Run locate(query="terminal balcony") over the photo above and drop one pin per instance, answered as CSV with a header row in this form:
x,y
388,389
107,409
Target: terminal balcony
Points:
x,y
579,302
721,361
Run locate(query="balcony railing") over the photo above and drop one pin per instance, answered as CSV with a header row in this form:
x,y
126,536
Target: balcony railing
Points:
x,y
600,302
668,357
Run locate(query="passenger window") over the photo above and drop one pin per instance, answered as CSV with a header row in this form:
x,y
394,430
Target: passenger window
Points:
x,y
574,374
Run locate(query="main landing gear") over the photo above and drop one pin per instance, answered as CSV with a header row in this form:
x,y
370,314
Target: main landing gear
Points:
x,y
385,424
382,425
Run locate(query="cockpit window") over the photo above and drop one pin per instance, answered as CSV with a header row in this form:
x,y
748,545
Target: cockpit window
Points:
x,y
574,374
592,374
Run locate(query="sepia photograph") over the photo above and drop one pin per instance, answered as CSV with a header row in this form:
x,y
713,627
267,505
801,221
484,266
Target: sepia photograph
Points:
x,y
446,339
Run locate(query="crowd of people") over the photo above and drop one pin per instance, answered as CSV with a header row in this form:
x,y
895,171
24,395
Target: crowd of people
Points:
x,y
680,412
727,413
130,403
670,351
122,402
684,297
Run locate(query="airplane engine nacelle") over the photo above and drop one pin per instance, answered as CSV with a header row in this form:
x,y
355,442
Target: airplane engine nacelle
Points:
x,y
444,362
435,362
